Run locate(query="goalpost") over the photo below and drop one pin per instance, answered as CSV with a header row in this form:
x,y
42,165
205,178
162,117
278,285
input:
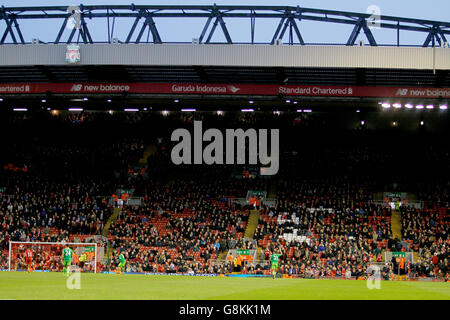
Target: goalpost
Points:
x,y
47,256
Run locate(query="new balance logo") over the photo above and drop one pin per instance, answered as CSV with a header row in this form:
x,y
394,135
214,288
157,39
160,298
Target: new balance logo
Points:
x,y
402,92
76,87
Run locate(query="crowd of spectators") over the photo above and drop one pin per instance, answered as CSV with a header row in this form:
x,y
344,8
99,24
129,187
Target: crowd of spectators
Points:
x,y
338,233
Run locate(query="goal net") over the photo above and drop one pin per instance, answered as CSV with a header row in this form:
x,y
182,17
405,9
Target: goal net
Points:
x,y
47,256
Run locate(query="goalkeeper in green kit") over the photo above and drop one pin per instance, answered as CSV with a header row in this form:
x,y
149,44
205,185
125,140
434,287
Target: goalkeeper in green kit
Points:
x,y
67,256
274,259
122,262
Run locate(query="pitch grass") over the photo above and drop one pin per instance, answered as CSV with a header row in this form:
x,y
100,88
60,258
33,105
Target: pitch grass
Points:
x,y
52,286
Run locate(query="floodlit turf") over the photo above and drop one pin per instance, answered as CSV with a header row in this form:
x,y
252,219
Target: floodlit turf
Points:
x,y
52,286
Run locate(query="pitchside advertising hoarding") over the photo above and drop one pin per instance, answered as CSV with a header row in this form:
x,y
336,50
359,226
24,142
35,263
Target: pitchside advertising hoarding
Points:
x,y
224,89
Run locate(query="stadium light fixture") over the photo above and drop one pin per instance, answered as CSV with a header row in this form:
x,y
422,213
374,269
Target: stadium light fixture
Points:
x,y
1,99
363,122
443,107
299,110
430,107
219,112
295,102
131,110
422,123
247,110
386,105
397,105
109,100
165,112
176,100
307,110
277,112
20,109
419,106
409,106
395,123
85,99
48,109
251,101
288,101
188,110
145,109
110,112
43,100
75,109
358,111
